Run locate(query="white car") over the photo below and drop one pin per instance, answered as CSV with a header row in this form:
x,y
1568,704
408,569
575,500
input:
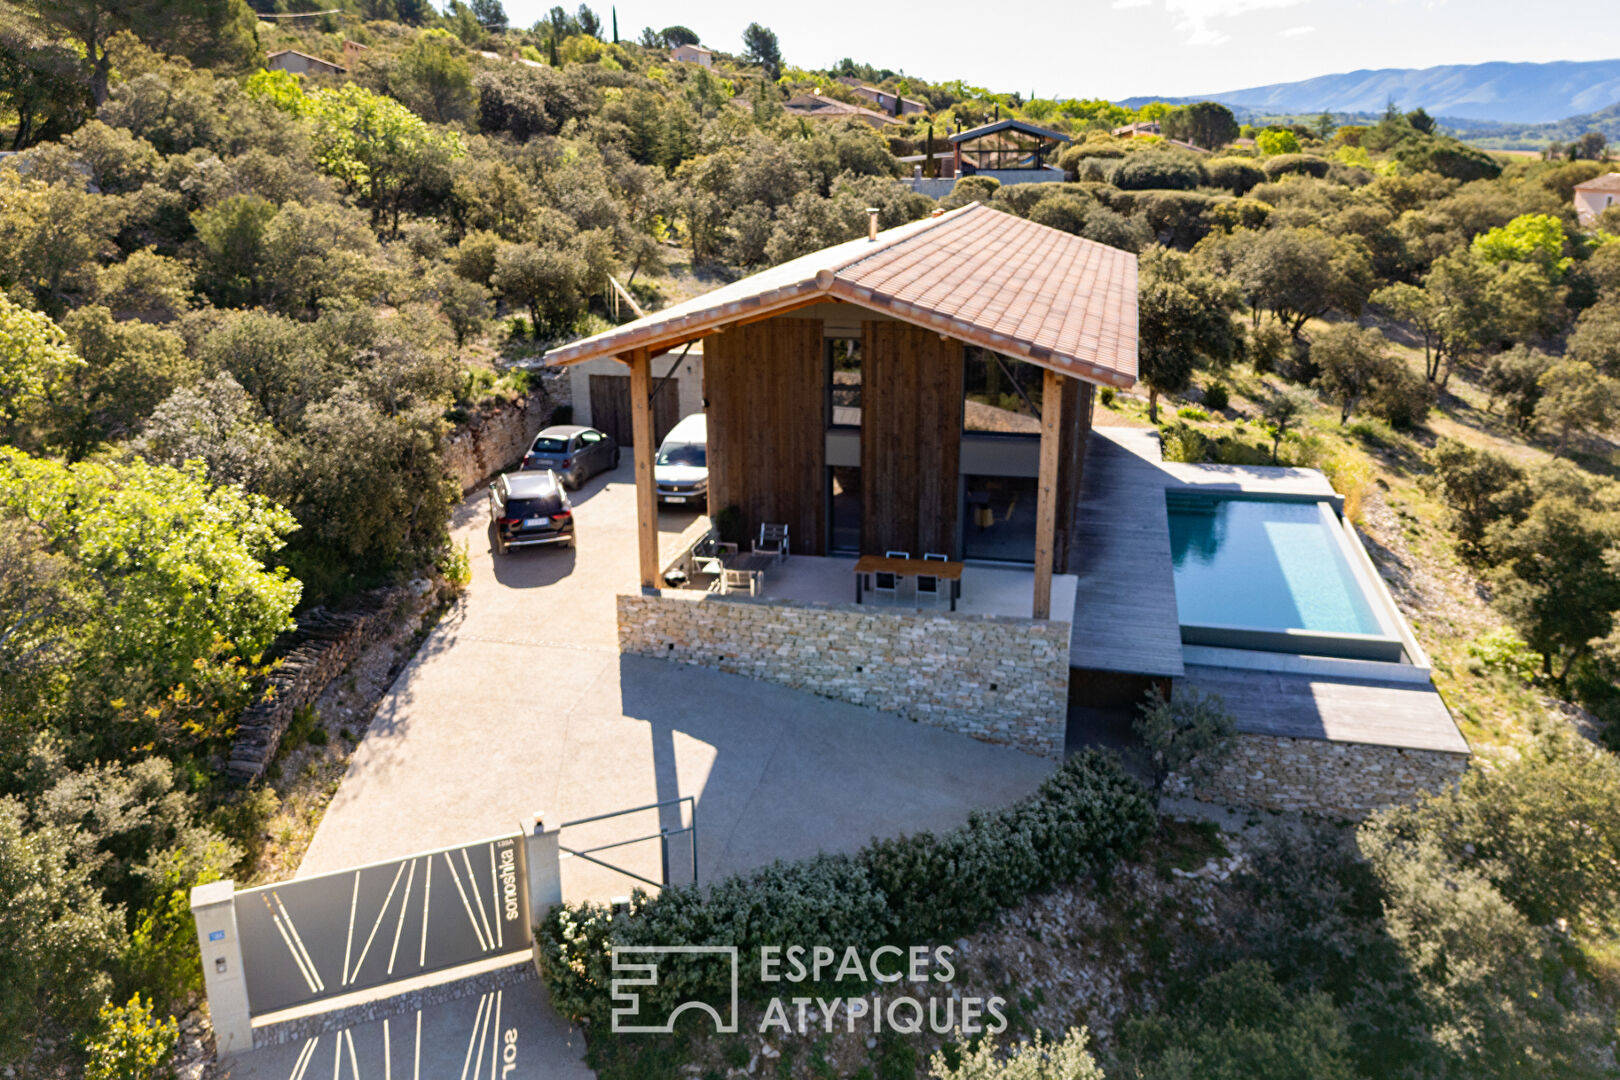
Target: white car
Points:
x,y
681,469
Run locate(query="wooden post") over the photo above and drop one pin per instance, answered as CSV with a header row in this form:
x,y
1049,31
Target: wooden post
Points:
x,y
641,430
1047,492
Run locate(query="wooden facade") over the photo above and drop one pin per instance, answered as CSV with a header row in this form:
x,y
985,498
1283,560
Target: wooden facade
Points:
x,y
911,439
768,427
765,388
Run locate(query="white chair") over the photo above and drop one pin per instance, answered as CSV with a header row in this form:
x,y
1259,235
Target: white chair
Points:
x,y
773,540
929,584
738,581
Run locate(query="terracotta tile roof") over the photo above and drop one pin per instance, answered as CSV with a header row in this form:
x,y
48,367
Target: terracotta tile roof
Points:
x,y
983,276
1611,182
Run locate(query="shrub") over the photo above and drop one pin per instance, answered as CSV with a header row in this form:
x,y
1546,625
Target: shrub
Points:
x,y
1187,735
130,1044
1066,1059
1242,1023
1179,442
1505,651
1154,170
1479,487
1107,395
1192,412
908,890
1296,164
1235,174
970,189
1217,397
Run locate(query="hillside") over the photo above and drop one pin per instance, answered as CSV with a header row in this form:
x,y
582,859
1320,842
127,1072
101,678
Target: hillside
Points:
x,y
1500,92
1502,136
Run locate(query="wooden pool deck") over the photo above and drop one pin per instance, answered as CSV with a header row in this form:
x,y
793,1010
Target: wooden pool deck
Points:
x,y
1126,621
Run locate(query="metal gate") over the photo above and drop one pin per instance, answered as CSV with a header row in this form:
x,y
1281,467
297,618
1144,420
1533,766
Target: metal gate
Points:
x,y
686,825
315,938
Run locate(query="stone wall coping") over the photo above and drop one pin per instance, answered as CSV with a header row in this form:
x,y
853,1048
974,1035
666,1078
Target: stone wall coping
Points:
x,y
693,596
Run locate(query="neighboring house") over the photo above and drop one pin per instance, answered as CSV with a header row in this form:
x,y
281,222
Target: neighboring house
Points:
x,y
815,106
692,54
1011,151
352,51
1595,196
1138,130
893,104
291,60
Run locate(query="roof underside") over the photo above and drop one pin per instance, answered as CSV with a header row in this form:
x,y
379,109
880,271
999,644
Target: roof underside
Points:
x,y
979,275
1008,125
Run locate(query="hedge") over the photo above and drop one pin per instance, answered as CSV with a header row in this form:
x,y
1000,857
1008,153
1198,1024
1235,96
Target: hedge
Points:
x,y
920,889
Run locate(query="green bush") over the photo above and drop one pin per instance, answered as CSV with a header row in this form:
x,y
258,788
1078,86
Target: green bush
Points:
x,y
1235,174
1296,164
1107,395
1155,170
1192,412
130,1044
1504,650
1183,443
1066,1059
910,890
1217,397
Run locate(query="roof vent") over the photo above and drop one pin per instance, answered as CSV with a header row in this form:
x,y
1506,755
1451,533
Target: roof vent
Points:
x,y
871,223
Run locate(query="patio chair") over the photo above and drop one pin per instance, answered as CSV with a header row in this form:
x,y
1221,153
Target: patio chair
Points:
x,y
739,581
885,583
773,540
929,585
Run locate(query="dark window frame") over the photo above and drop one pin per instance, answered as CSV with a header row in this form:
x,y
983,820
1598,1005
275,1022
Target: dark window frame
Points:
x,y
828,344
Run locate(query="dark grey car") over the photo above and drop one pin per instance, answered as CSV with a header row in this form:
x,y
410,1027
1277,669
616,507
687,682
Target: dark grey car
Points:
x,y
528,509
574,452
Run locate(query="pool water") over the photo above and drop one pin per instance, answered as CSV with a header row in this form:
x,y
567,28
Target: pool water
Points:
x,y
1267,565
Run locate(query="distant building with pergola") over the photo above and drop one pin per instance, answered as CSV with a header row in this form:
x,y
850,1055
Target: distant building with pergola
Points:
x,y
1009,151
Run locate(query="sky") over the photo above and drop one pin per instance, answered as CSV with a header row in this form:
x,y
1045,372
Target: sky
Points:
x,y
1123,48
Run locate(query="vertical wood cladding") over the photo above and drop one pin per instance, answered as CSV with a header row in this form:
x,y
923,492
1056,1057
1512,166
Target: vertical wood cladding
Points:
x,y
1079,399
911,437
767,427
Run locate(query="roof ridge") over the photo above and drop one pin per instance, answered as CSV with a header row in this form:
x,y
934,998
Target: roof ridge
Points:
x,y
884,245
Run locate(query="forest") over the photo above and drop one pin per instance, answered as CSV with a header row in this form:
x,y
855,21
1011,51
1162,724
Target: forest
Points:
x,y
241,311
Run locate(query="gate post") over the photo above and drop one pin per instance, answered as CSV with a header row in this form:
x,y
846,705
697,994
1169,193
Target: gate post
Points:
x,y
545,868
213,906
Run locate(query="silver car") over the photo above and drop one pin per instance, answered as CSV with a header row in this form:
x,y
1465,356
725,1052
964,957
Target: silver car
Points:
x,y
574,452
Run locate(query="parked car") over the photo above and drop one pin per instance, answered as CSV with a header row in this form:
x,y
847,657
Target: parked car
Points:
x,y
681,469
573,452
529,509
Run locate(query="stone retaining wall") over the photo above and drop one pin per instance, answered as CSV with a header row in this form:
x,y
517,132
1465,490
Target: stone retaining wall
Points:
x,y
493,441
310,657
1333,779
1003,680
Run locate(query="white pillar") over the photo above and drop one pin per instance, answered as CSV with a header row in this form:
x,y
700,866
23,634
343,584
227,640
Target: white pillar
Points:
x,y
213,906
545,868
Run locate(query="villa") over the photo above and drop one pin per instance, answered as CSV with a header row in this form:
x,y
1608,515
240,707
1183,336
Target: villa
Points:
x,y
913,512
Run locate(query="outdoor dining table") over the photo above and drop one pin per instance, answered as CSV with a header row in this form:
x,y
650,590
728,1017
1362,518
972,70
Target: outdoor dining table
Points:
x,y
880,564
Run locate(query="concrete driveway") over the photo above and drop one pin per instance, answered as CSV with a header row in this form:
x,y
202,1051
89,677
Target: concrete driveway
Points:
x,y
520,702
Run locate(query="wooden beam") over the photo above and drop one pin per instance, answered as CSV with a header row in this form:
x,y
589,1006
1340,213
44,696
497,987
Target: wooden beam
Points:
x,y
641,428
1047,491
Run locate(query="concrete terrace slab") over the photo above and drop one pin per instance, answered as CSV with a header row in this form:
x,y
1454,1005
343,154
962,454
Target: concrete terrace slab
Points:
x,y
1125,595
1404,715
520,702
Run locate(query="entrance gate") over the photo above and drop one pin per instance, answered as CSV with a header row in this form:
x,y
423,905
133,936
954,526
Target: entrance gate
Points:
x,y
314,938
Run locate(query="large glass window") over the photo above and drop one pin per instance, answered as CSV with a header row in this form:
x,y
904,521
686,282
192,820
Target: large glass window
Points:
x,y
844,381
999,518
1000,395
845,487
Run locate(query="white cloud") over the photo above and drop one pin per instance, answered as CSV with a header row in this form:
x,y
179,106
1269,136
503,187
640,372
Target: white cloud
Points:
x,y
1298,31
1197,18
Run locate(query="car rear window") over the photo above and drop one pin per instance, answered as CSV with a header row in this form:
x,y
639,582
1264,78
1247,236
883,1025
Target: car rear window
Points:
x,y
531,507
550,446
694,454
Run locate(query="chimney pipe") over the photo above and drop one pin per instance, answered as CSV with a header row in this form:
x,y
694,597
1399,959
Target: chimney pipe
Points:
x,y
871,223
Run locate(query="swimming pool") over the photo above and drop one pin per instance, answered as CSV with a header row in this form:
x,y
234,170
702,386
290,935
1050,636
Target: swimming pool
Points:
x,y
1272,575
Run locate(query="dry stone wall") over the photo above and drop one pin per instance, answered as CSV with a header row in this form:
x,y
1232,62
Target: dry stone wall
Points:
x,y
1003,680
308,659
493,441
1332,779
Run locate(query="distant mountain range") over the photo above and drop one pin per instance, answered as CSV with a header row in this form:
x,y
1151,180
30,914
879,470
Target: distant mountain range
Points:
x,y
1504,93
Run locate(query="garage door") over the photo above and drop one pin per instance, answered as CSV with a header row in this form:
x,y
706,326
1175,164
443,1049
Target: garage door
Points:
x,y
610,407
